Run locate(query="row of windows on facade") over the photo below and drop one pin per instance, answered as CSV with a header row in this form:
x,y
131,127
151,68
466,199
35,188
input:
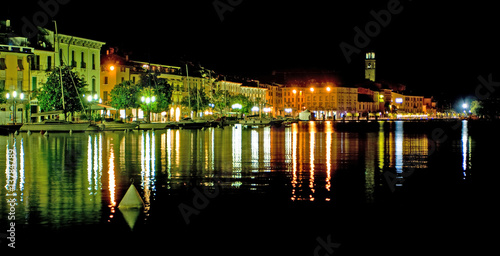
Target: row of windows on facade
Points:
x,y
414,99
3,64
320,98
36,64
34,83
73,62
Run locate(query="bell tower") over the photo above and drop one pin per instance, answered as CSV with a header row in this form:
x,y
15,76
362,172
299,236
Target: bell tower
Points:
x,y
370,66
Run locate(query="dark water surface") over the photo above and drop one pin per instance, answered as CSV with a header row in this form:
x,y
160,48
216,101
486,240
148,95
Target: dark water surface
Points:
x,y
403,188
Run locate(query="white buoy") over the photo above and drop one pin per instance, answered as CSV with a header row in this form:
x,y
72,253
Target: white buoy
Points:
x,y
29,132
16,133
70,132
132,199
46,134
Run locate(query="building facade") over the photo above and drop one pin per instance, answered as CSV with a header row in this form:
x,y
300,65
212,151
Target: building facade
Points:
x,y
274,100
15,58
57,50
324,101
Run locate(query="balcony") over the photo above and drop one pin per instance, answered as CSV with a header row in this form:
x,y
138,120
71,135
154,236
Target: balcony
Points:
x,y
18,49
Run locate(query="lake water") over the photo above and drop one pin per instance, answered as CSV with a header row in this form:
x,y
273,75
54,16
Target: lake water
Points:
x,y
266,191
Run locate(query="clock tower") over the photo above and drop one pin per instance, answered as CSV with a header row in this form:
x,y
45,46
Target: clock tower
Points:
x,y
370,66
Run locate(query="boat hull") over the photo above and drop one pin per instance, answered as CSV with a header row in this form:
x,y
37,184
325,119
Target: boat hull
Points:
x,y
54,127
117,127
151,126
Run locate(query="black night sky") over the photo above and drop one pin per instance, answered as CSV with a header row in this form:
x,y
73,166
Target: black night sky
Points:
x,y
434,48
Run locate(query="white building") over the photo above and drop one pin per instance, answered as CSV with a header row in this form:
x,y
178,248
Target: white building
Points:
x,y
65,50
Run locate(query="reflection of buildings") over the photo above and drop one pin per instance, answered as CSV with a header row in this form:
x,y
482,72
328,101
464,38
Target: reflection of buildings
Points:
x,y
148,166
72,177
466,150
311,157
401,153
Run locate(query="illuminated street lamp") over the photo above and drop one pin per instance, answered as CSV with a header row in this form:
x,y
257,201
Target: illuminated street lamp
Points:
x,y
14,102
148,101
465,106
92,100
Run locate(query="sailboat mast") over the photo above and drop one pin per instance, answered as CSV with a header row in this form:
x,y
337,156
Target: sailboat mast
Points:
x,y
60,72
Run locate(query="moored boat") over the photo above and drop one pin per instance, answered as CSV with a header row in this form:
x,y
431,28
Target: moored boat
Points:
x,y
117,126
188,123
151,126
255,122
54,126
9,128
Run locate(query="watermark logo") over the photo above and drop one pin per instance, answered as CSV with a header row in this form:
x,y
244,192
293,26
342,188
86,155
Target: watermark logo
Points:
x,y
372,29
200,201
50,8
486,85
11,196
325,246
221,7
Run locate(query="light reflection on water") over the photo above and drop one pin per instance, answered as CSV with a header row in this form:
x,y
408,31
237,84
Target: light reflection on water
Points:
x,y
66,179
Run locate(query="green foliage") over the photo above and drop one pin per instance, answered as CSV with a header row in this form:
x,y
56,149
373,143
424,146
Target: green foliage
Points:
x,y
163,92
221,100
159,88
476,108
2,96
124,95
246,104
50,96
148,93
199,100
489,108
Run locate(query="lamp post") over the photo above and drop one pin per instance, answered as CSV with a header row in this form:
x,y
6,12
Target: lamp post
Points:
x,y
296,107
237,106
91,101
14,101
148,101
329,108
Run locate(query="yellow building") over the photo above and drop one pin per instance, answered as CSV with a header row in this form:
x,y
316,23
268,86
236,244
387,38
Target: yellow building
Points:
x,y
324,101
14,67
274,100
293,100
117,69
413,104
14,77
56,50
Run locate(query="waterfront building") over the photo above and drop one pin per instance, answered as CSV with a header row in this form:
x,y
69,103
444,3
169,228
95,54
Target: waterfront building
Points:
x,y
255,94
293,100
274,100
15,57
25,64
117,69
55,50
429,107
413,104
324,100
347,101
